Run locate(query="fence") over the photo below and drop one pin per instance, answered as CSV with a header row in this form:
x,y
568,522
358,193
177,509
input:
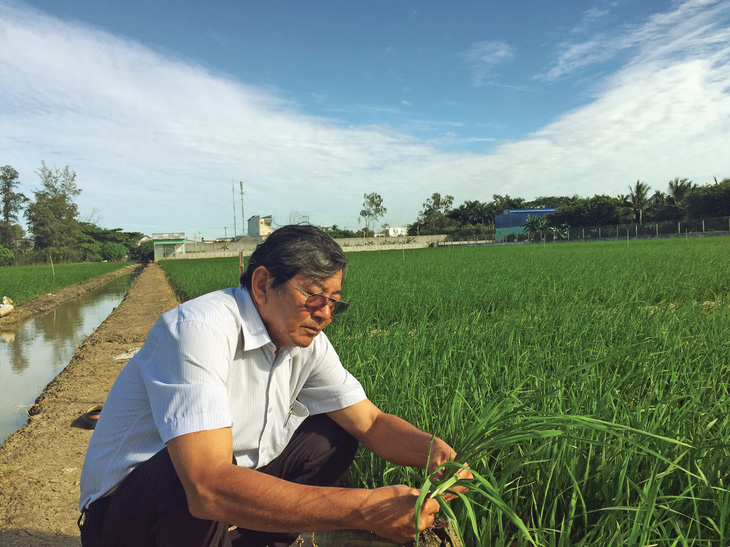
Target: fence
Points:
x,y
680,228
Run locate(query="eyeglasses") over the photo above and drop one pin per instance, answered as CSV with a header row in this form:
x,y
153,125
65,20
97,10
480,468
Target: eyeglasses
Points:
x,y
316,302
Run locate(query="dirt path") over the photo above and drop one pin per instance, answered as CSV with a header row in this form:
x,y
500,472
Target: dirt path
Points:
x,y
40,465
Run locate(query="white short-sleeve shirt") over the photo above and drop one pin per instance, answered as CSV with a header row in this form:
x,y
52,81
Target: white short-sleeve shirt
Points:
x,y
206,364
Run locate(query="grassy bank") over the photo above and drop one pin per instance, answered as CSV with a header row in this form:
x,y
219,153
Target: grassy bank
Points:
x,y
23,283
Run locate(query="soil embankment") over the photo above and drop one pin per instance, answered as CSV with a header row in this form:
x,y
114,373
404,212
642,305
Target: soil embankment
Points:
x,y
40,465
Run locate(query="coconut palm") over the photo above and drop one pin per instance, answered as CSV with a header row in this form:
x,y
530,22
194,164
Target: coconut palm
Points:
x,y
639,199
679,189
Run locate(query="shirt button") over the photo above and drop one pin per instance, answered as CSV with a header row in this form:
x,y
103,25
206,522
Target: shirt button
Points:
x,y
270,410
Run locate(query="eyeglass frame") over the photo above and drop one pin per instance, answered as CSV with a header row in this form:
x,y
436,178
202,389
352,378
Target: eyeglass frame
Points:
x,y
330,301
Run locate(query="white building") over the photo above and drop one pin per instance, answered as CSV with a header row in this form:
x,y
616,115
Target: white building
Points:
x,y
169,244
260,226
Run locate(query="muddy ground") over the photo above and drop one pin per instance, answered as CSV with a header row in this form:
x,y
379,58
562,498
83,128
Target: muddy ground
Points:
x,y
40,464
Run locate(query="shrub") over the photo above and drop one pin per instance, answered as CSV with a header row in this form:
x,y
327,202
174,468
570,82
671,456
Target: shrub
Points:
x,y
143,252
113,252
6,256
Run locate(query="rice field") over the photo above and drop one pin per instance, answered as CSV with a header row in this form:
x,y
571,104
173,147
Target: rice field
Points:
x,y
23,283
553,357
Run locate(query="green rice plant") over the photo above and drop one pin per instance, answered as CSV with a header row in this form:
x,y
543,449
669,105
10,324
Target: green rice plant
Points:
x,y
23,283
191,278
637,336
509,422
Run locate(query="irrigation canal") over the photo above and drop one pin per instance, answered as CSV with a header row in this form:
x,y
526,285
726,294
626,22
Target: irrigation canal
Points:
x,y
38,350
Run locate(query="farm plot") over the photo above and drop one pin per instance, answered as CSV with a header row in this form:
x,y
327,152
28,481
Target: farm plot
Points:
x,y
23,283
572,350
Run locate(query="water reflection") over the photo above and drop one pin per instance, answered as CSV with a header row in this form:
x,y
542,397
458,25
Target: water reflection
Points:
x,y
34,354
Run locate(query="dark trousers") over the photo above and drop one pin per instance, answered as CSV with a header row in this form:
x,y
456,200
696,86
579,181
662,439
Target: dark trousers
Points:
x,y
149,508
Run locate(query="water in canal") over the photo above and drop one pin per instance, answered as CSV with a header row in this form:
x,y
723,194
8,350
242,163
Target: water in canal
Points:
x,y
38,350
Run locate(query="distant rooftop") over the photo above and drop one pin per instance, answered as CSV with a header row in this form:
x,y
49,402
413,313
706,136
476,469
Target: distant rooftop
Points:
x,y
171,235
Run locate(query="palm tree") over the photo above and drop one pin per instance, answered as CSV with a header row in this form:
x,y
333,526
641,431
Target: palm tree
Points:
x,y
535,225
679,189
639,198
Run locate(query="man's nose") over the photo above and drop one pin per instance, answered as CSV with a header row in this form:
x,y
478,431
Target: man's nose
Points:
x,y
325,313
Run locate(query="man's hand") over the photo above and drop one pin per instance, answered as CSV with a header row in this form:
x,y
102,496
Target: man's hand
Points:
x,y
389,513
441,453
218,490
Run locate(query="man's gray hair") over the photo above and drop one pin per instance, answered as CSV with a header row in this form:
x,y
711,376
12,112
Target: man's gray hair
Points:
x,y
293,249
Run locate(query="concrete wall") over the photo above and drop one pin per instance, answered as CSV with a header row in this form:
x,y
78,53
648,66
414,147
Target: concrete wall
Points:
x,y
211,249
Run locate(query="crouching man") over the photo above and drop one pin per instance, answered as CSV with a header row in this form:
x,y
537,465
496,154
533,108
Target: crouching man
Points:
x,y
237,412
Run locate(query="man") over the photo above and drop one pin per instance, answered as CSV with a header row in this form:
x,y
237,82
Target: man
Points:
x,y
238,412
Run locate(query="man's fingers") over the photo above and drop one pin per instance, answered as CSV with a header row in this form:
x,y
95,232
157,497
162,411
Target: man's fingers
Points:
x,y
428,513
431,506
426,522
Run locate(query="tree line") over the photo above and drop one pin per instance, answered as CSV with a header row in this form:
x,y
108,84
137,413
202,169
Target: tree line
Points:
x,y
682,200
52,217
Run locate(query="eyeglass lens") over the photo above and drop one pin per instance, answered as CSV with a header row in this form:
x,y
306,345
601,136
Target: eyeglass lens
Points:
x,y
318,301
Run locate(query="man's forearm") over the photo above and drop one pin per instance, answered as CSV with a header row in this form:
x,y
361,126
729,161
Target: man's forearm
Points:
x,y
254,500
257,501
398,441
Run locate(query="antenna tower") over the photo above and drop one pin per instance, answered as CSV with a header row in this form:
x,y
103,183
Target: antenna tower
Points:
x,y
233,195
243,218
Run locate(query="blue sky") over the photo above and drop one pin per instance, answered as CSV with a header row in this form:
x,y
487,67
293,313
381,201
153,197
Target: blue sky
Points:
x,y
160,106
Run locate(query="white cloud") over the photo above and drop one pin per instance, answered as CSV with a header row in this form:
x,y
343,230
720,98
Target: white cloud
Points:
x,y
156,142
482,57
691,28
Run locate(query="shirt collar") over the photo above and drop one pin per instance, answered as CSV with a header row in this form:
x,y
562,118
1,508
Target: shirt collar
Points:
x,y
254,331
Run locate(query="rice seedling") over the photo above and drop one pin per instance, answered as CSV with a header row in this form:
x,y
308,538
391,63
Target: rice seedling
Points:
x,y
615,334
23,283
191,278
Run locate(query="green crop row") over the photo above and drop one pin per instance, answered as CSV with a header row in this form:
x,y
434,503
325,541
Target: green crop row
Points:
x,y
612,349
23,283
191,278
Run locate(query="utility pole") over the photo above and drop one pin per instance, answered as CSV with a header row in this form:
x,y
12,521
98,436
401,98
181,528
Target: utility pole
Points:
x,y
243,218
225,232
233,195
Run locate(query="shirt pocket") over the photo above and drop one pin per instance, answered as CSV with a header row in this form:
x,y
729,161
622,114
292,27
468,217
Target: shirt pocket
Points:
x,y
297,414
282,435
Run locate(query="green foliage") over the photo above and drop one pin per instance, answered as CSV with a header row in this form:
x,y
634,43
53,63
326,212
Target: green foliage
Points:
x,y
712,200
639,197
627,335
99,243
537,225
191,278
468,232
339,233
568,351
56,255
679,190
6,257
113,252
52,217
684,200
10,204
105,235
596,211
144,252
23,283
434,216
633,336
372,210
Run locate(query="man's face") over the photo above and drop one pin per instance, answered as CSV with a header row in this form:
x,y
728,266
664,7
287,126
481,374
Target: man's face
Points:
x,y
288,322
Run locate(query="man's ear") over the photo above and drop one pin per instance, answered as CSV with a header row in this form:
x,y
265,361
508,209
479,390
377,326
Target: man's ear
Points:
x,y
260,284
